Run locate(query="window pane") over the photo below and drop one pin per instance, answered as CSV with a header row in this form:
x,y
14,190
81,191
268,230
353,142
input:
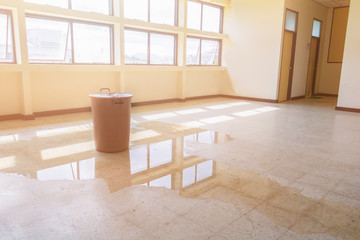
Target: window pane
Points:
x,y
204,170
136,45
56,3
47,40
138,159
210,52
316,28
161,49
92,43
194,15
290,22
98,6
192,51
136,9
211,18
6,41
162,182
189,176
162,11
160,153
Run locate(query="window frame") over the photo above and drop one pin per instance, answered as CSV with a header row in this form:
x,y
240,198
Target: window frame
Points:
x,y
149,32
10,16
71,21
221,23
201,39
176,14
69,6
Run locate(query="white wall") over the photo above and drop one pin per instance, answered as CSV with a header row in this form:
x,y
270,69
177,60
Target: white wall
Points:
x,y
252,51
308,10
349,96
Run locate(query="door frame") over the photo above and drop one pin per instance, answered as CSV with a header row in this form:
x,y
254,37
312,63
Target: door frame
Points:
x,y
293,50
316,63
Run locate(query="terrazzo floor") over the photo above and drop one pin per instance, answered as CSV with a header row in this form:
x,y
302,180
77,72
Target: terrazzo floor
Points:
x,y
206,169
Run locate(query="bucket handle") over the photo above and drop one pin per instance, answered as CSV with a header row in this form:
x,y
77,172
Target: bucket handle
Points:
x,y
103,89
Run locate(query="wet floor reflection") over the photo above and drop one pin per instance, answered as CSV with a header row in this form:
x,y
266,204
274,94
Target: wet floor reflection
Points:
x,y
157,156
160,156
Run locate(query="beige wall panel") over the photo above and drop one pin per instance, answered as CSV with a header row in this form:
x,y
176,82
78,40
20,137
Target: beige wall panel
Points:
x,y
151,85
202,83
67,90
10,98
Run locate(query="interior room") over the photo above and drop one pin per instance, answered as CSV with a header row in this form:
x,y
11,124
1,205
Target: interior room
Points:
x,y
244,119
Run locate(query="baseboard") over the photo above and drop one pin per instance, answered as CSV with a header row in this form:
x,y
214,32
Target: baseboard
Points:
x,y
345,109
249,98
325,95
298,97
16,117
202,97
137,104
28,117
61,112
11,117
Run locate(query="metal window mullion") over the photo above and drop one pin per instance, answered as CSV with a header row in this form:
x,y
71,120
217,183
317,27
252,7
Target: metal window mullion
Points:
x,y
72,43
221,23
176,14
149,10
200,62
148,50
111,8
67,42
201,20
111,30
7,37
175,49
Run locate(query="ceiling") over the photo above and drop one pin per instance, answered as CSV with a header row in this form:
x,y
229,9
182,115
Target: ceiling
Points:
x,y
334,3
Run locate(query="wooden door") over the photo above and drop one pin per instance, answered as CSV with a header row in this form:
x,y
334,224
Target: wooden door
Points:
x,y
287,66
312,69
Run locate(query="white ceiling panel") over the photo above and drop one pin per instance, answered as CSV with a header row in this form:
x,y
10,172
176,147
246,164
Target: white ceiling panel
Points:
x,y
334,3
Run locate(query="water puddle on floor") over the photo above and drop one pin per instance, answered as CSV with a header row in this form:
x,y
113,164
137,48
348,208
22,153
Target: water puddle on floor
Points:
x,y
159,156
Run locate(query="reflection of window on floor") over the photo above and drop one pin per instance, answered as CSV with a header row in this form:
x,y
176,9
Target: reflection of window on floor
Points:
x,y
149,156
80,170
201,137
161,182
198,172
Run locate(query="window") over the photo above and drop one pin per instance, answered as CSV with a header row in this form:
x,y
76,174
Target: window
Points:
x,y
92,43
7,53
144,47
196,173
56,3
155,11
201,51
205,17
97,6
64,41
316,28
290,21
